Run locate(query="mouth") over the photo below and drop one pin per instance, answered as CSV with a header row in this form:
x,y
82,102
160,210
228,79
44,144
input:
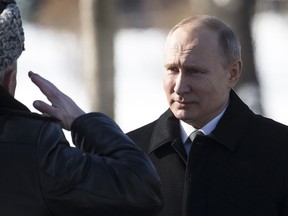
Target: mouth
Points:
x,y
182,105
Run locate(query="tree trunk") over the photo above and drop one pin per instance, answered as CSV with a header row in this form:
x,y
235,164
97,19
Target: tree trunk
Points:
x,y
98,28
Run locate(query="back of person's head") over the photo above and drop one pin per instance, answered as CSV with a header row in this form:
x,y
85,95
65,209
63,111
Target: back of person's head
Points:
x,y
11,36
229,44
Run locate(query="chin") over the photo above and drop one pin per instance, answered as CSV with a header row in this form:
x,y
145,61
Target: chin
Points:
x,y
181,114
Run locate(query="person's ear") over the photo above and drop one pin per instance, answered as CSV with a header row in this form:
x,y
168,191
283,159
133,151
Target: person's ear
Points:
x,y
9,81
235,72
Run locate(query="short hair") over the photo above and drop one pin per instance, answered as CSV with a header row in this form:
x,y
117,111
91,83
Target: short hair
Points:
x,y
11,34
229,43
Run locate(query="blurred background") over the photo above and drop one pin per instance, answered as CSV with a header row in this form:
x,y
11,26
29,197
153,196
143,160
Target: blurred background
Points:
x,y
108,54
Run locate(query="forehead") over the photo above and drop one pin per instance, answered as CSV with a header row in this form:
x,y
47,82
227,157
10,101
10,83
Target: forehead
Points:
x,y
193,43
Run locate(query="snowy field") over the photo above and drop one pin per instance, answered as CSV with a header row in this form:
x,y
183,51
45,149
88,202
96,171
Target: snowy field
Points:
x,y
138,64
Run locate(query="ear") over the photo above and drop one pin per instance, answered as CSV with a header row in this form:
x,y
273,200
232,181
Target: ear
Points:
x,y
235,72
9,81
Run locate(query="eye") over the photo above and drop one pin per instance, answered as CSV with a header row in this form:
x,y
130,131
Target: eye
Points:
x,y
173,69
194,70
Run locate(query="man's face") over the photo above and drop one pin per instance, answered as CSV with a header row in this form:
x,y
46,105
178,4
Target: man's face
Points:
x,y
195,81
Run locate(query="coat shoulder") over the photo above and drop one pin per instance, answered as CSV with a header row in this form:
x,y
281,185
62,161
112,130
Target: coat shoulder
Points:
x,y
270,127
269,136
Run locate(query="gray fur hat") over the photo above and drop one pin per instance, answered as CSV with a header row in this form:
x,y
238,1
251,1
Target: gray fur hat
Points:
x,y
11,33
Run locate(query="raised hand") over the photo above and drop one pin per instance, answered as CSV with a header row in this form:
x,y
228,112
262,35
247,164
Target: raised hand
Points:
x,y
62,107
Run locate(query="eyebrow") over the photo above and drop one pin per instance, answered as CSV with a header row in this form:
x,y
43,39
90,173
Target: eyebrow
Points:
x,y
169,65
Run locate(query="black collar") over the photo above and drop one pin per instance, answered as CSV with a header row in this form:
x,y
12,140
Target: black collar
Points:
x,y
234,123
165,131
8,102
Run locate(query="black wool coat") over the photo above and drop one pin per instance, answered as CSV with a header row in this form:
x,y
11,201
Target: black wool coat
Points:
x,y
240,169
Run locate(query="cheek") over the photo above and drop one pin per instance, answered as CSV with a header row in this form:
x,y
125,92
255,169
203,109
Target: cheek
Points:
x,y
168,85
169,90
215,94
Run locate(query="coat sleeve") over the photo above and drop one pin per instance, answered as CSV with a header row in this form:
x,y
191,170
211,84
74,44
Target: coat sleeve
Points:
x,y
106,174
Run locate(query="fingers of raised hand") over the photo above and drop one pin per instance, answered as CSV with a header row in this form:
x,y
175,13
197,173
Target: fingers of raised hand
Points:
x,y
53,94
46,109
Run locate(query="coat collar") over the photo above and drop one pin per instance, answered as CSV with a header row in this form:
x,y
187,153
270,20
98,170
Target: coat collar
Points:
x,y
8,102
166,130
234,123
228,131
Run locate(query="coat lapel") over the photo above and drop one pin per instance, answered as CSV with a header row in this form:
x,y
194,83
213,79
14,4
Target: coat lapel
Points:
x,y
167,132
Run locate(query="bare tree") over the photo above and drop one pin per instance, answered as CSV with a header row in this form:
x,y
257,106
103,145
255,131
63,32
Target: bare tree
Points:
x,y
98,28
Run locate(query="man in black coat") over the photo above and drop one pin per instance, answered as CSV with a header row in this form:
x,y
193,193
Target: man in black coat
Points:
x,y
238,163
41,175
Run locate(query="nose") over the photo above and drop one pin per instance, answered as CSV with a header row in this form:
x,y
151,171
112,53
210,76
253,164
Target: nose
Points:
x,y
181,84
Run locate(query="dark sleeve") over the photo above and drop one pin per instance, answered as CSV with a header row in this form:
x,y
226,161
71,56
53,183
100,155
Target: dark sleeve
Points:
x,y
106,174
